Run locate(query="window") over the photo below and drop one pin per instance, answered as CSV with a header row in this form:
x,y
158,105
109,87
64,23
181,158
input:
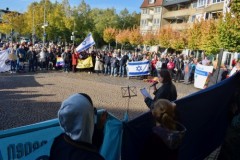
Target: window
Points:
x,y
154,21
194,5
144,22
213,15
217,1
157,10
207,16
144,11
201,3
151,1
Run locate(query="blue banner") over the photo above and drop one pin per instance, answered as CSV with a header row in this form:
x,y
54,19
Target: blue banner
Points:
x,y
29,142
33,142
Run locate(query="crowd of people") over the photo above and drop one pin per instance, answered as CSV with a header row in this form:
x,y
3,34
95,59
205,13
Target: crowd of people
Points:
x,y
111,63
82,137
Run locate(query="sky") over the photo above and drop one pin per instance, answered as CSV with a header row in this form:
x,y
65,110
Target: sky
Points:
x,y
131,5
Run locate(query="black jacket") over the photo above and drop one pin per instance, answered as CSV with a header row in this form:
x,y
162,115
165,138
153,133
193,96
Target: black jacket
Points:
x,y
63,148
166,91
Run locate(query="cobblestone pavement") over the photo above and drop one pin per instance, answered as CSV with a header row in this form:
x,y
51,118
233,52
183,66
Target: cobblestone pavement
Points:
x,y
29,98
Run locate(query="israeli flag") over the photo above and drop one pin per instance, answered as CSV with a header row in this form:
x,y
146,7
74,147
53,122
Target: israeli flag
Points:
x,y
4,66
87,43
138,68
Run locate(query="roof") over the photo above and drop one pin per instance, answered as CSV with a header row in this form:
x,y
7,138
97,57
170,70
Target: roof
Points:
x,y
145,3
4,11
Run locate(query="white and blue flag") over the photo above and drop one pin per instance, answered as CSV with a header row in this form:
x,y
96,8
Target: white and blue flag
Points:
x,y
4,66
87,43
138,68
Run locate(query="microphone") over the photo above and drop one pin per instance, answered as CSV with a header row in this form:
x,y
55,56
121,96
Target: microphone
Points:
x,y
154,84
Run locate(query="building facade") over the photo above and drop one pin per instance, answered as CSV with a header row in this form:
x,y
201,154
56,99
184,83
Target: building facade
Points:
x,y
179,14
151,15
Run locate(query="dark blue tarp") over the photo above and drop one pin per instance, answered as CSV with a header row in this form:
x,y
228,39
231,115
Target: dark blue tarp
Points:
x,y
204,114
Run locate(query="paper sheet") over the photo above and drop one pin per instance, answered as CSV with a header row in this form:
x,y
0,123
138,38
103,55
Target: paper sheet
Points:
x,y
145,93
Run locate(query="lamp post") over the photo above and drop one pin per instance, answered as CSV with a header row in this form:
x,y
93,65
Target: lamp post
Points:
x,y
44,24
73,33
33,29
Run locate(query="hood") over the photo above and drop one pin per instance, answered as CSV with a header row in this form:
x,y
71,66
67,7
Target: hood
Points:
x,y
172,138
76,118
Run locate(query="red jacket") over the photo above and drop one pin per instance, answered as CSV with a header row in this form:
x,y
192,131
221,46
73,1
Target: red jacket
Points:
x,y
75,58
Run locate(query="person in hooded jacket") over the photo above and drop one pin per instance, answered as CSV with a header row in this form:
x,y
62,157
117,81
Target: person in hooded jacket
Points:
x,y
76,118
167,134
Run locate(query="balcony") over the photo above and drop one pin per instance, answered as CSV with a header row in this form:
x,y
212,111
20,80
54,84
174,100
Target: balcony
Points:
x,y
178,26
148,28
214,7
179,13
149,16
171,2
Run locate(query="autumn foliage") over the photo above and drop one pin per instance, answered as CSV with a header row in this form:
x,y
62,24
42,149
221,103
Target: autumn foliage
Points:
x,y
109,35
123,36
150,39
135,37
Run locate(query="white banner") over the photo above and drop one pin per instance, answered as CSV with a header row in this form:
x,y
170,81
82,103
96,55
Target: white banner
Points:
x,y
201,75
138,68
87,43
3,59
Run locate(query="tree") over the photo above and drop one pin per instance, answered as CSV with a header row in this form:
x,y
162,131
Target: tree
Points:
x,y
57,23
165,36
12,21
209,37
150,39
109,35
135,37
235,8
194,35
178,41
83,20
67,8
102,19
228,33
126,20
123,37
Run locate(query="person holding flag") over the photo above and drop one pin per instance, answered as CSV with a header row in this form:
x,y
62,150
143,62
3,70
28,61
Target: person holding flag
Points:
x,y
87,43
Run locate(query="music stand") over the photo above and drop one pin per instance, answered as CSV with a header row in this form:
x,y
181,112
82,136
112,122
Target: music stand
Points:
x,y
129,91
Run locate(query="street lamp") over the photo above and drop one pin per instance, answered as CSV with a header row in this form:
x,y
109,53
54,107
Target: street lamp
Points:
x,y
73,33
33,29
44,24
